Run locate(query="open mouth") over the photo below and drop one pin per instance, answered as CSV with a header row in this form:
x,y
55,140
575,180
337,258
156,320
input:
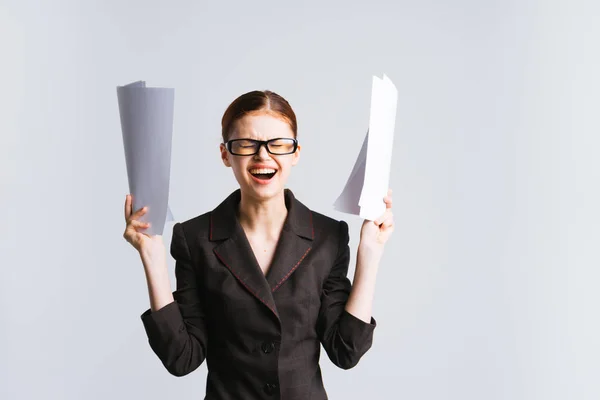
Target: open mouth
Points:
x,y
263,174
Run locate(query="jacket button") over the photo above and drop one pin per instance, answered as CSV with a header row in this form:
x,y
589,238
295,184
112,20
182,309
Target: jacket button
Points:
x,y
268,347
270,388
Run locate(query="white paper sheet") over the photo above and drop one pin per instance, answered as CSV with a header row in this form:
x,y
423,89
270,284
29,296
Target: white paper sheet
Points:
x,y
369,180
147,126
348,201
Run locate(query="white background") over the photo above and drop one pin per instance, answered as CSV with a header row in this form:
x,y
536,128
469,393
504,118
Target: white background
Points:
x,y
488,287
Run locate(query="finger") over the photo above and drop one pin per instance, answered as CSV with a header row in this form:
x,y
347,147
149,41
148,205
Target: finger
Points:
x,y
139,224
127,207
388,200
133,229
388,223
387,214
139,213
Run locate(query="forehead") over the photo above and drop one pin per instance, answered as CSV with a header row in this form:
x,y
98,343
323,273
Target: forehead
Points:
x,y
261,127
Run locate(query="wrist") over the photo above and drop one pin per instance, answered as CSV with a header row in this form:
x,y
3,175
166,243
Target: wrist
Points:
x,y
153,263
369,254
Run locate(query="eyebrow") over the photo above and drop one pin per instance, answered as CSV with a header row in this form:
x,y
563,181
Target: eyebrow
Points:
x,y
255,138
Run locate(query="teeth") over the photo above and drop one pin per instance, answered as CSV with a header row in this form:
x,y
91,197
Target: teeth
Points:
x,y
262,171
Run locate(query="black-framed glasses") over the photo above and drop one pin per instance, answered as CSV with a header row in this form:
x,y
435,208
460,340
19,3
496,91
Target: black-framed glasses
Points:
x,y
249,147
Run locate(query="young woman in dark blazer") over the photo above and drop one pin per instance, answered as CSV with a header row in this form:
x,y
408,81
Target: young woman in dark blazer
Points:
x,y
261,279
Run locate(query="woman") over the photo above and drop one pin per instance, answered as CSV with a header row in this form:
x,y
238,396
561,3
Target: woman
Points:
x,y
261,279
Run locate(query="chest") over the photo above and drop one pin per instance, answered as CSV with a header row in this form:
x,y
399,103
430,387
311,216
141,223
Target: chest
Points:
x,y
264,250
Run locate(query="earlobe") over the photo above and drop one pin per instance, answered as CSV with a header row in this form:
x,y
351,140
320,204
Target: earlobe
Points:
x,y
226,161
224,156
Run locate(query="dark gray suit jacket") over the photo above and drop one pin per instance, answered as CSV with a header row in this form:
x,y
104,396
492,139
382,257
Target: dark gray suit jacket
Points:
x,y
260,335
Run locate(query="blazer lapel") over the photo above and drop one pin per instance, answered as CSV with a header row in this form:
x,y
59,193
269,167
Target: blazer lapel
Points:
x,y
294,243
236,253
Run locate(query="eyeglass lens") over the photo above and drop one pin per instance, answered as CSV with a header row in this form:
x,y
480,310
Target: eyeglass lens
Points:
x,y
249,146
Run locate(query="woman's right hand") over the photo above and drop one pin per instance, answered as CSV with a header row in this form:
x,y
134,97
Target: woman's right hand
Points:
x,y
148,246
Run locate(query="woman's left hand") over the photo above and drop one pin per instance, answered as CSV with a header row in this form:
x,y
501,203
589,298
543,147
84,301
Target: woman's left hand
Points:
x,y
374,234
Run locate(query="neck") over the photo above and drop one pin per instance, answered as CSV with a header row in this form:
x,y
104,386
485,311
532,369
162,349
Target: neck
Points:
x,y
263,217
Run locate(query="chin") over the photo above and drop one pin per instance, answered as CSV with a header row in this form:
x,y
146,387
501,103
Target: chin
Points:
x,y
264,193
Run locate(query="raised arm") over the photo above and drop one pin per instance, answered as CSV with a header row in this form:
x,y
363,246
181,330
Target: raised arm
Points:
x,y
175,323
345,337
345,324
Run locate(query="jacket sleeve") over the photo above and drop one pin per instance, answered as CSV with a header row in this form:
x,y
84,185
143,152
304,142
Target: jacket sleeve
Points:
x,y
345,337
177,332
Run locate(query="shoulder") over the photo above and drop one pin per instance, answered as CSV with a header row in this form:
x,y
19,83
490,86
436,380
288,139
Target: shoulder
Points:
x,y
320,223
219,219
198,226
329,231
326,224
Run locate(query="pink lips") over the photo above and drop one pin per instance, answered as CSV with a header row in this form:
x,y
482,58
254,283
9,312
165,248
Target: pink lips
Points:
x,y
261,166
262,181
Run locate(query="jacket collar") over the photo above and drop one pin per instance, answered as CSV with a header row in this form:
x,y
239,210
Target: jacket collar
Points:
x,y
224,218
235,252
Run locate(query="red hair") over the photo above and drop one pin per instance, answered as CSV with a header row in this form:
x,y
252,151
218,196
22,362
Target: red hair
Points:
x,y
257,102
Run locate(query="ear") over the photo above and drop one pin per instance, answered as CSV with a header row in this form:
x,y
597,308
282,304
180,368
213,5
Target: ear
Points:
x,y
296,156
224,155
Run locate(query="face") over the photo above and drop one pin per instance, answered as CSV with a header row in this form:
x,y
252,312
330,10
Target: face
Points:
x,y
247,169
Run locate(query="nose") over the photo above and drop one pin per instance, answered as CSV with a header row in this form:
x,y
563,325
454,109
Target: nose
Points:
x,y
262,152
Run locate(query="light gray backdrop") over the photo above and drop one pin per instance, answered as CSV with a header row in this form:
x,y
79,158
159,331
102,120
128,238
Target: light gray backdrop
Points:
x,y
488,287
